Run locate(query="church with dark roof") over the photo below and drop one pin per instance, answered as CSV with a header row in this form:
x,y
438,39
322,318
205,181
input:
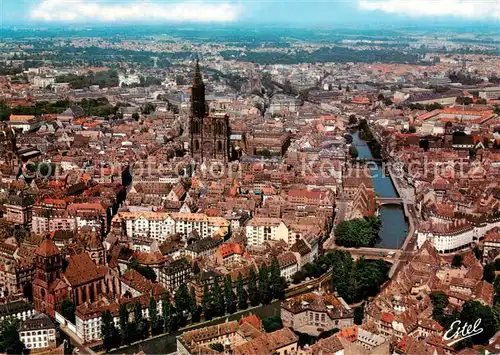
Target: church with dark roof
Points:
x,y
209,134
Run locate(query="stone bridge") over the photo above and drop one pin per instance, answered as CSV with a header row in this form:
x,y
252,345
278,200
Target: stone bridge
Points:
x,y
389,201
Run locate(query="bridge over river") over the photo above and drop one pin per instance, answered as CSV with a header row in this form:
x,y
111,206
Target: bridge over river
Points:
x,y
381,201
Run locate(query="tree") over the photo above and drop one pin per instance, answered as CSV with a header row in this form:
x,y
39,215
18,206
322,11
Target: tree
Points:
x,y
353,152
353,120
229,296
478,253
165,312
489,272
265,291
470,313
207,303
182,299
439,303
154,321
359,314
135,116
342,280
277,283
194,309
68,310
287,87
218,299
272,324
496,288
28,291
242,293
412,129
169,316
217,347
10,342
496,314
298,277
140,323
179,80
147,272
358,232
457,260
124,329
148,108
196,268
253,292
109,333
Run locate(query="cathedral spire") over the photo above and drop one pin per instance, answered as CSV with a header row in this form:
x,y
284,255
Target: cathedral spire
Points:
x,y
197,93
198,80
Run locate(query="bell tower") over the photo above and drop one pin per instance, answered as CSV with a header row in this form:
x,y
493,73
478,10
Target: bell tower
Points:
x,y
198,111
209,135
48,262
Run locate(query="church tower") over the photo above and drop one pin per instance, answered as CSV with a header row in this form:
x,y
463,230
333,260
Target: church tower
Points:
x,y
209,135
198,108
46,293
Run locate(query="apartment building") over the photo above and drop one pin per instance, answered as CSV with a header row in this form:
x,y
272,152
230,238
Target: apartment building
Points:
x,y
262,229
159,225
38,332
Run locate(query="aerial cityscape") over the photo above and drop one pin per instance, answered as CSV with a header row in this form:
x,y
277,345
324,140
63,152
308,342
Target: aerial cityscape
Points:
x,y
250,177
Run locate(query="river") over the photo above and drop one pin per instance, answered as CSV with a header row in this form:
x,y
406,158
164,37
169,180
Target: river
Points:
x,y
392,235
167,343
394,225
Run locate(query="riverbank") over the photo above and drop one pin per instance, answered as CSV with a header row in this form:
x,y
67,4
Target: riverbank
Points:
x,y
394,227
167,343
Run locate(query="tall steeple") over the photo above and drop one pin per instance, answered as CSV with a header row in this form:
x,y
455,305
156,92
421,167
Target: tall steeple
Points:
x,y
197,93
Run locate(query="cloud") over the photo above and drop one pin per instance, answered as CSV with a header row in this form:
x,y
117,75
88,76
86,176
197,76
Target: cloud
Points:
x,y
92,11
470,9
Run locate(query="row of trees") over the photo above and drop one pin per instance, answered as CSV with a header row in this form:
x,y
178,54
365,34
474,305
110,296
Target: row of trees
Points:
x,y
353,280
358,232
323,55
103,79
428,107
366,134
261,289
357,280
93,107
216,302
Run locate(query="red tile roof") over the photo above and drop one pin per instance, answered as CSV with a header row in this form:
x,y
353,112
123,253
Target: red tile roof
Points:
x,y
387,317
82,270
252,319
47,248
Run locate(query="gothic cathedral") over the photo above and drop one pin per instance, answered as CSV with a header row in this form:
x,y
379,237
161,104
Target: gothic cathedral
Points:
x,y
209,135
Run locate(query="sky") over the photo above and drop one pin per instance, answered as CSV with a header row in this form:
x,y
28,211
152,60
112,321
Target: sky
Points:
x,y
289,12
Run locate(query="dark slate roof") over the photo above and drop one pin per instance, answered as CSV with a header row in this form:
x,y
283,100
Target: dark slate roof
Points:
x,y
463,140
176,266
75,111
300,247
11,308
38,321
208,274
202,245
